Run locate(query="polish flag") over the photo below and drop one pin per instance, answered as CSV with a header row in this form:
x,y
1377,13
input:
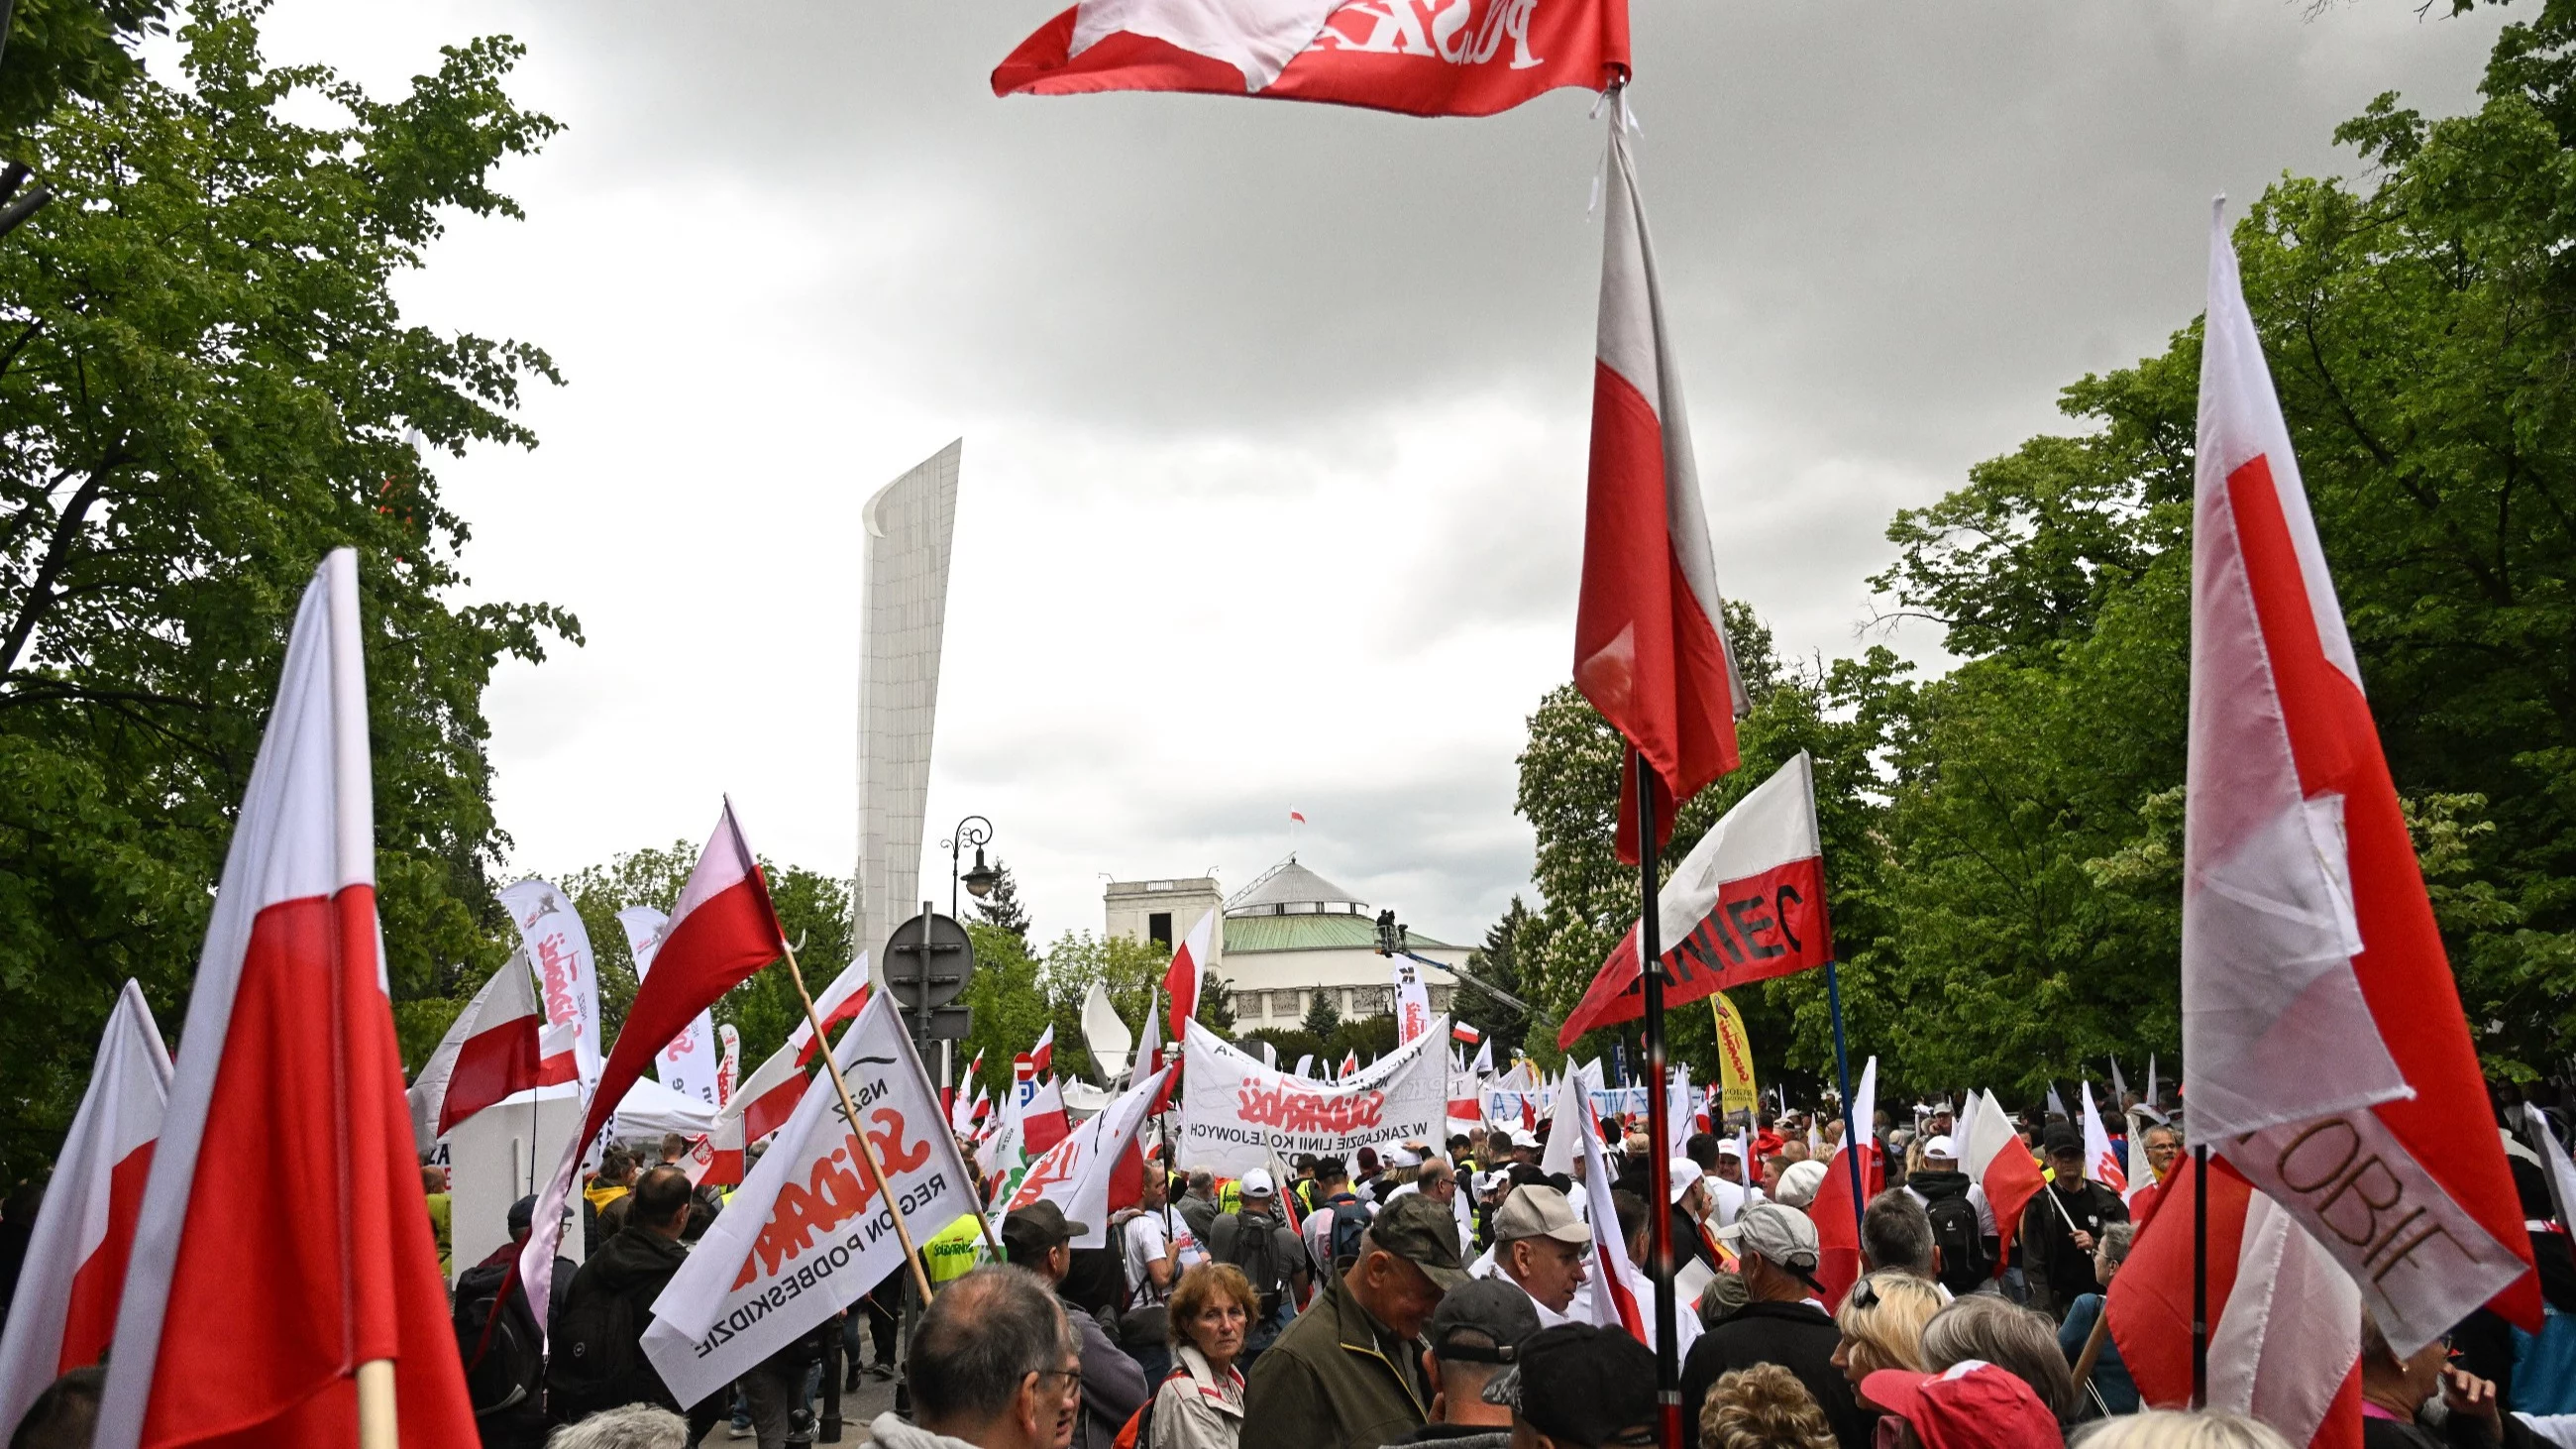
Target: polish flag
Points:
x,y
722,930
65,1311
1420,57
1460,1031
500,1054
1297,817
1350,1064
2320,1017
840,1003
1043,1122
2101,1164
759,1107
1834,1211
1188,969
1747,904
1650,645
1992,1155
2285,1319
1042,1056
285,1161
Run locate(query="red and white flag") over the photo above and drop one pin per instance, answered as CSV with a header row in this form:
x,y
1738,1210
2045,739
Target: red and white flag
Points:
x,y
722,930
2329,1057
1099,1168
2285,1320
1650,645
1747,904
64,1313
1835,1211
841,1002
759,1107
1296,818
1460,1031
285,1159
1188,969
1992,1155
2101,1164
503,1052
1044,1122
730,1071
1350,1064
1420,57
690,1064
1042,1056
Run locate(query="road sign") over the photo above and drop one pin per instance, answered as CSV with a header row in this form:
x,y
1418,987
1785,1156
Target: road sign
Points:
x,y
928,961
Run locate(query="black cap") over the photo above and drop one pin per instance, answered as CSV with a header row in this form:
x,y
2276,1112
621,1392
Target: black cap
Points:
x,y
1483,1321
1035,1228
2060,1140
523,1215
1583,1386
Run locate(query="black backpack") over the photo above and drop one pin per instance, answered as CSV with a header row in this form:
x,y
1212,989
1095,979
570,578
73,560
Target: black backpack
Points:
x,y
1965,1263
1350,1221
1252,1246
504,1365
597,1355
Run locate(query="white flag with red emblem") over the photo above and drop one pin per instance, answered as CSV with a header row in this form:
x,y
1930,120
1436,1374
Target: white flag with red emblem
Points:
x,y
285,1159
1420,57
1099,1167
2101,1163
558,946
64,1313
1188,969
2322,1026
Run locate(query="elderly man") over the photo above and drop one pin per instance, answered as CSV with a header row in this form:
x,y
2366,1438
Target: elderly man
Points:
x,y
1540,1247
1348,1373
994,1365
1781,1322
1475,1337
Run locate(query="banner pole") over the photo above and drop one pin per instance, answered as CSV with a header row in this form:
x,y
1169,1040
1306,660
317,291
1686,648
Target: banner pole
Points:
x,y
858,1132
376,1422
1650,960
2200,1275
1842,1079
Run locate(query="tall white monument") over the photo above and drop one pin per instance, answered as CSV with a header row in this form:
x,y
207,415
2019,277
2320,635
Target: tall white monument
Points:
x,y
904,611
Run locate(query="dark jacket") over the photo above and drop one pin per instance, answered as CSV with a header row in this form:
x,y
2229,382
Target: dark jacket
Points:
x,y
1335,1380
2058,1271
1113,1384
603,1321
1459,1436
1799,1337
2459,1431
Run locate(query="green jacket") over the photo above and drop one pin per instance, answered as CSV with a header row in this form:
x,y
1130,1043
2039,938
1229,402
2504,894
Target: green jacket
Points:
x,y
1328,1384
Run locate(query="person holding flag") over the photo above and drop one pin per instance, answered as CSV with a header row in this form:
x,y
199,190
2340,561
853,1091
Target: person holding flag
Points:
x,y
2063,1225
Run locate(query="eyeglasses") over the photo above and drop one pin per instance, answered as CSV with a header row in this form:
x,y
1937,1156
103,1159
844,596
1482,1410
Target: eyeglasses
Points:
x,y
1864,1294
1072,1379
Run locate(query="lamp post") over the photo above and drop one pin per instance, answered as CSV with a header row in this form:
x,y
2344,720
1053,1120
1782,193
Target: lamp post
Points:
x,y
976,831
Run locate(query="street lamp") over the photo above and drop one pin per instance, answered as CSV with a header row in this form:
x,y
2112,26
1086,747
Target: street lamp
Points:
x,y
976,831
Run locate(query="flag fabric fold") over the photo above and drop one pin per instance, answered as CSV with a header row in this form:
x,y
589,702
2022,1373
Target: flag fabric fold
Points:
x,y
502,1052
1181,980
64,1311
2101,1164
839,1004
1835,1212
2329,1057
285,1158
1992,1155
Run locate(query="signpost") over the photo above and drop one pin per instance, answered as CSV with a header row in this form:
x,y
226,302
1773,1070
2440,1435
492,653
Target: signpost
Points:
x,y
928,961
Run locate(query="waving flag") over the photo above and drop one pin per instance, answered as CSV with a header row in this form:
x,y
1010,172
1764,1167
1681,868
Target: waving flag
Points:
x,y
1188,969
1044,1121
1835,1211
285,1157
64,1313
1099,1168
722,930
1105,1034
1747,904
691,1063
1420,57
1650,646
2322,1025
1992,1155
558,946
759,1107
1042,1055
2101,1164
1350,1064
841,1002
500,1054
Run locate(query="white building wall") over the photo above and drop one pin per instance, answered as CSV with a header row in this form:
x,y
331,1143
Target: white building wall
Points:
x,y
1129,908
909,526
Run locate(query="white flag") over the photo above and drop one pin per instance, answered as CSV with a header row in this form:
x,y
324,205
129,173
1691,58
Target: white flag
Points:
x,y
558,945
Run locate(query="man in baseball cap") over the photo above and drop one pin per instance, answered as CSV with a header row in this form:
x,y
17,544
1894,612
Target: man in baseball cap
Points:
x,y
1540,1246
1972,1406
1348,1372
1581,1387
1781,1322
1040,1238
1475,1336
1256,1238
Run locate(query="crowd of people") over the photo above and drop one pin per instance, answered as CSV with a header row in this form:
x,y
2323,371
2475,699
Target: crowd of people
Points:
x,y
1424,1293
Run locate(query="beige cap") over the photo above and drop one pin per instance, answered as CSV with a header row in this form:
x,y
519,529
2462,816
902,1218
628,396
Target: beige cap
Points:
x,y
1538,1212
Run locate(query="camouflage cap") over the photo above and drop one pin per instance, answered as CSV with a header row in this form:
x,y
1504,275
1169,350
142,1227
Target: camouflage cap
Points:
x,y
1421,1232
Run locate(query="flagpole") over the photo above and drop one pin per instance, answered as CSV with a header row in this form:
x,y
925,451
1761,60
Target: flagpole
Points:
x,y
376,1422
1842,1079
1650,957
858,1132
2200,1275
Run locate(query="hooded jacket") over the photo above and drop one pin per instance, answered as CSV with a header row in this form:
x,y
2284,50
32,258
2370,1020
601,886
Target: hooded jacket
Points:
x,y
611,1297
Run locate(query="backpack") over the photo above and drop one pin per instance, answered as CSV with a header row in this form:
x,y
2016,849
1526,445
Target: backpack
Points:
x,y
1350,1220
504,1367
1964,1260
1253,1247
1138,1431
596,1356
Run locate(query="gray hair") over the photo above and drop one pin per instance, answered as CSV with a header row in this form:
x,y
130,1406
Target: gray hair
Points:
x,y
979,1339
635,1426
2116,1238
1895,1232
2020,1341
1201,1179
2179,1429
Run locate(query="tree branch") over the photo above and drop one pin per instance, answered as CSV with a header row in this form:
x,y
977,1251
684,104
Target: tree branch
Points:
x,y
58,554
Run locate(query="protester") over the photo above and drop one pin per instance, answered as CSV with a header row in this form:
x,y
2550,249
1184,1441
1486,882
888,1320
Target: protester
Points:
x,y
1972,1406
1475,1335
1881,1321
442,1217
2161,1146
1198,1206
1763,1407
1689,1204
597,1360
505,1359
2111,1381
631,1426
1962,1221
1580,1387
1338,1214
2062,1225
1200,1403
1780,1323
774,1404
1256,1238
1152,1264
65,1415
2398,1397
1348,1373
1799,1183
1723,1295
1896,1234
2178,1429
1039,1239
994,1364
1540,1247
2020,1341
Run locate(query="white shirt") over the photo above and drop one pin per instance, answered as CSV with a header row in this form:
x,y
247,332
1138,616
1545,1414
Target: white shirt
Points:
x,y
1146,1245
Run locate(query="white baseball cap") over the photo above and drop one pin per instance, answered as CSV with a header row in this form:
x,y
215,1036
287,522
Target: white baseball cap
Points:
x,y
1524,1138
1941,1147
1256,1183
1685,1174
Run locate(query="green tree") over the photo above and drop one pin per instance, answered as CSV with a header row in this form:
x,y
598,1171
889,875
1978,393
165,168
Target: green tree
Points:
x,y
1216,1004
1002,906
206,384
1323,1018
63,48
1495,962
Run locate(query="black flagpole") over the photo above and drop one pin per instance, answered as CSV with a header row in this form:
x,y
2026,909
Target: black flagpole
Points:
x,y
2200,1275
1659,1213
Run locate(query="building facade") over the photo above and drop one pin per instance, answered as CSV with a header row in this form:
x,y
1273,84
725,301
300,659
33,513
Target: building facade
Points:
x,y
1286,937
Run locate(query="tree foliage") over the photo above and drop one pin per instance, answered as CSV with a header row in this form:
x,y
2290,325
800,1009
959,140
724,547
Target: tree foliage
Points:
x,y
205,385
1002,906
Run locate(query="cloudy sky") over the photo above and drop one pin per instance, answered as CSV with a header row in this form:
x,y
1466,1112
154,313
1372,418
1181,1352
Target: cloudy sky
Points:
x,y
1275,415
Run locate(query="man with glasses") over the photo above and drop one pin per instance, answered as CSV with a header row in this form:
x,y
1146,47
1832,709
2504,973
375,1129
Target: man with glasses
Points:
x,y
1039,1238
1539,1245
994,1365
1348,1374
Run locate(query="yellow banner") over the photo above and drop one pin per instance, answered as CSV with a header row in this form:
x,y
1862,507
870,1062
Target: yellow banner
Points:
x,y
1734,1058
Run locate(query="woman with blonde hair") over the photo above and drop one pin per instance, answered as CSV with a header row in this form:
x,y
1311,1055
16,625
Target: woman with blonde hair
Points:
x,y
1882,1320
1200,1404
1762,1407
2180,1429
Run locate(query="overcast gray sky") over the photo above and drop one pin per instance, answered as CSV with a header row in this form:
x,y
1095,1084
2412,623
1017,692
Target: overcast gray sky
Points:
x,y
1275,415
